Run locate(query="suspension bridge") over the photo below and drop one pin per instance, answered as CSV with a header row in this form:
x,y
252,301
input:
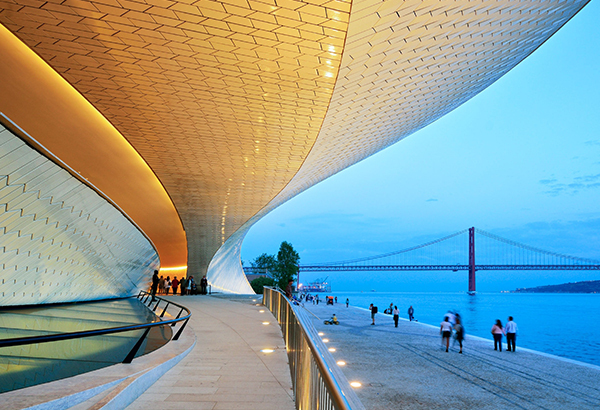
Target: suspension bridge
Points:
x,y
450,254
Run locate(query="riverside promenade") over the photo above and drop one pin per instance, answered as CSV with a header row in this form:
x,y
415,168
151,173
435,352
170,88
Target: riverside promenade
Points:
x,y
406,368
226,369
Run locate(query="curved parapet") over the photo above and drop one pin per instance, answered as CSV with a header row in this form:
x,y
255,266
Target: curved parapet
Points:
x,y
404,65
60,241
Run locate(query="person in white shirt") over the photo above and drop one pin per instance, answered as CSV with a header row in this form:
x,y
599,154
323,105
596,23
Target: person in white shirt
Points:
x,y
510,330
446,332
396,315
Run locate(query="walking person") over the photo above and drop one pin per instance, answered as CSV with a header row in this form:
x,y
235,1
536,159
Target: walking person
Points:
x,y
347,302
497,333
411,312
396,316
155,282
373,310
511,334
459,333
446,332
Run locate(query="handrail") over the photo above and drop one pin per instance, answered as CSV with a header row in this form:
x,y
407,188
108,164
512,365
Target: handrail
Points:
x,y
317,381
21,341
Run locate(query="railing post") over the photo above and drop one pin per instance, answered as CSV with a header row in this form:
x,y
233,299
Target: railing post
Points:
x,y
178,315
155,306
180,330
137,346
165,309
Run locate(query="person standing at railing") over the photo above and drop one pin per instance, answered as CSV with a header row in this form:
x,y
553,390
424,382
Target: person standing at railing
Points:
x,y
183,285
161,285
175,284
155,281
289,289
167,285
203,285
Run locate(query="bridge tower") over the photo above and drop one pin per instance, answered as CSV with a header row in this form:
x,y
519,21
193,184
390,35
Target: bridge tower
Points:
x,y
471,259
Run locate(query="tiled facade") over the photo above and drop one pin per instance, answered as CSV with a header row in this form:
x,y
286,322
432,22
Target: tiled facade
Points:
x,y
239,105
61,241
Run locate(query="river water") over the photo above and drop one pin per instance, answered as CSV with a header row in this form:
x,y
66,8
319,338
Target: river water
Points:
x,y
566,325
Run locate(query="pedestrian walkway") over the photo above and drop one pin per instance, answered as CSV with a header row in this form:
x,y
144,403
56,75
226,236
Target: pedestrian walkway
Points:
x,y
407,368
226,369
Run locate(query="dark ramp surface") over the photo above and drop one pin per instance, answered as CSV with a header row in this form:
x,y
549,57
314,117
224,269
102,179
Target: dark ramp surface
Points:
x,y
24,366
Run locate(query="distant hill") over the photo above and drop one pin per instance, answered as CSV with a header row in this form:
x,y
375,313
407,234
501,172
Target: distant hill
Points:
x,y
588,286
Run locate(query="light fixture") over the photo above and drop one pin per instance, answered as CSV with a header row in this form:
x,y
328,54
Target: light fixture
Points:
x,y
267,350
321,333
265,323
355,384
331,349
325,340
261,311
341,363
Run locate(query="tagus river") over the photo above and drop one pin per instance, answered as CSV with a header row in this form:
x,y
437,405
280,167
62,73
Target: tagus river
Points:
x,y
565,325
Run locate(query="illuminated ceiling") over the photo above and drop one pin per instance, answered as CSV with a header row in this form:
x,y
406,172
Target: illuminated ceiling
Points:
x,y
239,105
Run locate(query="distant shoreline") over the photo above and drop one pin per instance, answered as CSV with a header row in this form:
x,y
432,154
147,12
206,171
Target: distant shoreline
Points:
x,y
589,286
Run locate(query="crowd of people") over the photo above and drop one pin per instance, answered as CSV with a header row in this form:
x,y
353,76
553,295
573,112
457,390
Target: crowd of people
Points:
x,y
183,286
452,327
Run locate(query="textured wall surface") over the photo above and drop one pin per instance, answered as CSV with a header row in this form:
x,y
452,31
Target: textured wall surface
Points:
x,y
60,241
404,65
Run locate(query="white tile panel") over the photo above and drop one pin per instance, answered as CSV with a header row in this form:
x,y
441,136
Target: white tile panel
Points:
x,y
59,240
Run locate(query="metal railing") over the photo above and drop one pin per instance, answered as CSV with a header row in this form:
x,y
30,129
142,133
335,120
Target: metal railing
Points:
x,y
317,381
143,297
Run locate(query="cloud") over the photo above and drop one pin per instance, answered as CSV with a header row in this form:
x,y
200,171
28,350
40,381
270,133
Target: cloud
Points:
x,y
577,184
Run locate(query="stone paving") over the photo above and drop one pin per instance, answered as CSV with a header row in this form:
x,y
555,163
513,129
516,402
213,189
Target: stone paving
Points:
x,y
406,368
226,370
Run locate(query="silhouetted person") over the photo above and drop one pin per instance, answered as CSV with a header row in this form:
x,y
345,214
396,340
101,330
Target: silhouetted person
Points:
x,y
497,333
161,285
203,285
175,284
396,316
411,312
155,281
459,333
347,302
289,289
511,334
183,285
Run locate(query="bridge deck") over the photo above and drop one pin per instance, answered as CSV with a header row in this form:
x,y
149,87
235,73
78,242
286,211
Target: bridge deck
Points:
x,y
406,368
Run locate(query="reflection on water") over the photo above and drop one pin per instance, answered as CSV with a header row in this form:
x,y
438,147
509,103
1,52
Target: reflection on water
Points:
x,y
23,366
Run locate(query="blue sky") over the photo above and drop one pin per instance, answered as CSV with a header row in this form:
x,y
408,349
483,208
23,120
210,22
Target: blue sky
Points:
x,y
521,160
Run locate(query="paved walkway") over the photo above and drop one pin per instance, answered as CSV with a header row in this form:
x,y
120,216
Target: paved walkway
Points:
x,y
226,369
406,368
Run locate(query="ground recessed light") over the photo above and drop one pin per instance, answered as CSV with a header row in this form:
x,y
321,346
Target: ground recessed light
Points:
x,y
321,333
267,350
341,363
355,384
325,340
266,323
253,300
331,349
261,311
